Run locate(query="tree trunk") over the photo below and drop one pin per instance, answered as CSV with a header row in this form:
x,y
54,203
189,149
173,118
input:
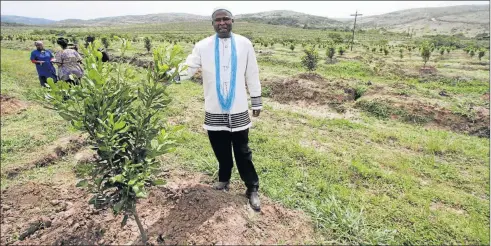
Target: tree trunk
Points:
x,y
140,226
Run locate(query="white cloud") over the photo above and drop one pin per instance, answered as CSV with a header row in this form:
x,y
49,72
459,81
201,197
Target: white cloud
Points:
x,y
58,10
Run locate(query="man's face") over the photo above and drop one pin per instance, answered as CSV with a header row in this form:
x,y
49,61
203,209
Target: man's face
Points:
x,y
39,46
222,24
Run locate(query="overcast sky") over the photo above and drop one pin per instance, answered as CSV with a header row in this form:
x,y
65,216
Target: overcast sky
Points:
x,y
59,10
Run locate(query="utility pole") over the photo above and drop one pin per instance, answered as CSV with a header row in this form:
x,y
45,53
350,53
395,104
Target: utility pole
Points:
x,y
354,26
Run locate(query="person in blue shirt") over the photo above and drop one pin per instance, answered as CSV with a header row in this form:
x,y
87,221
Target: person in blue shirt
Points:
x,y
43,60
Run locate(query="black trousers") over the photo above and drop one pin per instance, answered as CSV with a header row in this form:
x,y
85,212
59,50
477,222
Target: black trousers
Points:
x,y
222,143
44,80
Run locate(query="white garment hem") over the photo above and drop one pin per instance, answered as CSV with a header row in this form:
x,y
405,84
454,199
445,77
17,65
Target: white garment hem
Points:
x,y
224,128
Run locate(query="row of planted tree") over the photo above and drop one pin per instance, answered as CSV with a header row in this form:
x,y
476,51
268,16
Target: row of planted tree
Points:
x,y
311,55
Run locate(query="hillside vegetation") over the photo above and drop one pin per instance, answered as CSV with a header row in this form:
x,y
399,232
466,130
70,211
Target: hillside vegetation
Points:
x,y
469,20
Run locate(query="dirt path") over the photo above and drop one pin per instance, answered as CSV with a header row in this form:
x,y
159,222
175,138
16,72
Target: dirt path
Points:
x,y
185,211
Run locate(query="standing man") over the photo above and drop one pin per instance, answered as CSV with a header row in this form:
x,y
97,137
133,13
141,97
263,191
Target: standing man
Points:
x,y
43,58
228,62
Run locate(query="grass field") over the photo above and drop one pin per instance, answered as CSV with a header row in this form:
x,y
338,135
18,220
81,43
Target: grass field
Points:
x,y
368,174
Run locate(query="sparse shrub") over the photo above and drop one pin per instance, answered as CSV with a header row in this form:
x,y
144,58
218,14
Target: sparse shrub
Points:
x,y
292,47
310,59
472,53
401,53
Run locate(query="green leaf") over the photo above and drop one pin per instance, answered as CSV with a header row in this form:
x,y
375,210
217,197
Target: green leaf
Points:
x,y
117,207
159,182
82,183
119,125
141,194
118,178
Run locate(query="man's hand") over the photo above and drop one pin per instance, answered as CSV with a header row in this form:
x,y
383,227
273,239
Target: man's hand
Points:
x,y
256,112
41,62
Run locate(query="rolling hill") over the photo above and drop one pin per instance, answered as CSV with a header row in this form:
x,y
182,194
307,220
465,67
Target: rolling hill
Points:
x,y
291,18
467,19
25,20
134,19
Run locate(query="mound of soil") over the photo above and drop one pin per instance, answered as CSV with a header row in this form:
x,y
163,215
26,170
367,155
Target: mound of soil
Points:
x,y
185,211
49,155
427,70
197,77
310,87
135,61
10,105
415,111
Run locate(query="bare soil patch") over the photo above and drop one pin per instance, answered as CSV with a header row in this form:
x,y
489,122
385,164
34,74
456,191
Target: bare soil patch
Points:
x,y
49,155
427,70
311,88
11,105
135,60
439,206
185,211
416,111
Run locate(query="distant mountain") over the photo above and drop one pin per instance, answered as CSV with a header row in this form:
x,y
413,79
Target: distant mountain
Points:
x,y
134,19
290,18
25,20
467,19
6,24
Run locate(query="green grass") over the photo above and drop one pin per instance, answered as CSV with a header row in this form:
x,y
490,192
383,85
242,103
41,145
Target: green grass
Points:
x,y
363,181
34,127
369,182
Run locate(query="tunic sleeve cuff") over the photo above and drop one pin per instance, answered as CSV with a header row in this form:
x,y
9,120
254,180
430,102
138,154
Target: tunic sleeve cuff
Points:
x,y
257,102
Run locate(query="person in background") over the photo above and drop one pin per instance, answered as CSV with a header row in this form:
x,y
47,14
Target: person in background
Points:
x,y
90,39
68,61
43,60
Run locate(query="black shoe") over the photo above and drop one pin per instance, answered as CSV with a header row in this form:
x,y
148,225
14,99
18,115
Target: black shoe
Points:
x,y
254,200
221,186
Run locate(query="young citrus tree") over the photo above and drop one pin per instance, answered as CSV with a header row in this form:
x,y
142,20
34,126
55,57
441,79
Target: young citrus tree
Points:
x,y
426,51
105,42
148,44
481,54
341,50
330,53
124,121
310,59
386,51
